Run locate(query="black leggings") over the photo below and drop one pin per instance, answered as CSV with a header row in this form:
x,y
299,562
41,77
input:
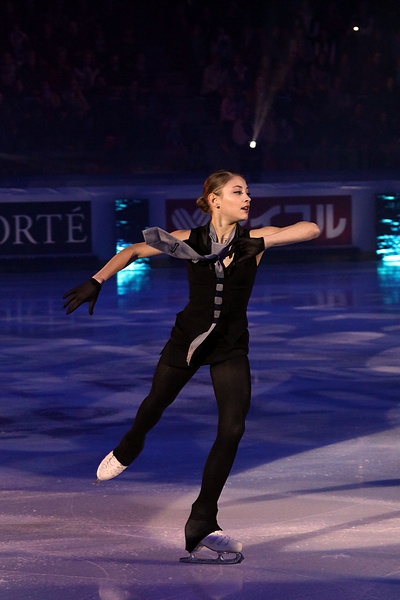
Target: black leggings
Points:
x,y
232,388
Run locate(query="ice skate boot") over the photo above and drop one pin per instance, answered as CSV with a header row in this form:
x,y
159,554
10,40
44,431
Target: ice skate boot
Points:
x,y
229,551
109,468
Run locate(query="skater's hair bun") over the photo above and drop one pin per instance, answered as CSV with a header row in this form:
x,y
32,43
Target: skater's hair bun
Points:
x,y
213,185
203,204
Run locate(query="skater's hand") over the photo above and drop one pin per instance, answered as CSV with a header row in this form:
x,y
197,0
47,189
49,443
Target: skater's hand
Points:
x,y
245,248
86,292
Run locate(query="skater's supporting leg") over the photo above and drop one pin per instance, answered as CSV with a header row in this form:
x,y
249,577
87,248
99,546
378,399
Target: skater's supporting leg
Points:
x,y
232,386
167,383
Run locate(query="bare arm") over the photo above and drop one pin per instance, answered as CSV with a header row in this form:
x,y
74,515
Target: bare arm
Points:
x,y
302,231
89,291
128,255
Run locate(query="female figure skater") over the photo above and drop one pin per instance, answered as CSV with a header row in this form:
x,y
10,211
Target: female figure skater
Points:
x,y
222,260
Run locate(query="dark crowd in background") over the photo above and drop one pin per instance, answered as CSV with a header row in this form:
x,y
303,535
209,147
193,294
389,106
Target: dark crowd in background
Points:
x,y
127,87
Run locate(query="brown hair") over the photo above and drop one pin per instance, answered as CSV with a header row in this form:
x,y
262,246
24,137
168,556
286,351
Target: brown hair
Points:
x,y
213,185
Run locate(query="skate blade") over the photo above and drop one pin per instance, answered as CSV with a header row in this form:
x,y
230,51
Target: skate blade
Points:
x,y
97,482
223,558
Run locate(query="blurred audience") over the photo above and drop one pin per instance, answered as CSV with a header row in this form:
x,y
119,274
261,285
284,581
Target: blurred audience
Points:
x,y
120,87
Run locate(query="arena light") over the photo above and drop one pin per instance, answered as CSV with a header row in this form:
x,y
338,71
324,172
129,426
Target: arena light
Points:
x,y
265,98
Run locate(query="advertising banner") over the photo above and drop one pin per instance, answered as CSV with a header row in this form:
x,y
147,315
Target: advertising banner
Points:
x,y
40,228
333,214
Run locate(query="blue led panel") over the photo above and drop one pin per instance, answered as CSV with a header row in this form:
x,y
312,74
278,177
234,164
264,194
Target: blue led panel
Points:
x,y
388,228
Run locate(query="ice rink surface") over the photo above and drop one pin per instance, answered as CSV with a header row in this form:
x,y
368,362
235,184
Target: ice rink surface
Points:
x,y
314,493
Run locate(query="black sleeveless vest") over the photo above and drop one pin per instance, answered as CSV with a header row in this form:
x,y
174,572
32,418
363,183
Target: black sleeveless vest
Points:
x,y
230,337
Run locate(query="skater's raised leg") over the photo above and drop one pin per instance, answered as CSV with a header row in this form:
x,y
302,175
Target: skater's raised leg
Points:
x,y
167,383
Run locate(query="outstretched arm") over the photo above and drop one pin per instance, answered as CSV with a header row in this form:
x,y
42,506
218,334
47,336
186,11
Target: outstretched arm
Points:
x,y
302,231
123,259
266,237
89,291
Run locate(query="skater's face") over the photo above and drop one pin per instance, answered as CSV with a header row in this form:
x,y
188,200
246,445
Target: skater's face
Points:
x,y
233,201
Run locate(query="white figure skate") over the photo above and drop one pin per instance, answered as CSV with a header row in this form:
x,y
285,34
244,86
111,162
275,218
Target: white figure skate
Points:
x,y
229,551
109,468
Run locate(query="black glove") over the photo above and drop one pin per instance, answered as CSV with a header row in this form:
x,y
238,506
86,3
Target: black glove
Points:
x,y
86,292
245,248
